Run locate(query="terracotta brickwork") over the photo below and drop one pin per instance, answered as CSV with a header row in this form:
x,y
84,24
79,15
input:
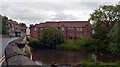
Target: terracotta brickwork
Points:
x,y
15,29
70,29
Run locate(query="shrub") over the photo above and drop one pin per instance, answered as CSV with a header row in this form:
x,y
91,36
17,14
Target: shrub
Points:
x,y
50,38
33,42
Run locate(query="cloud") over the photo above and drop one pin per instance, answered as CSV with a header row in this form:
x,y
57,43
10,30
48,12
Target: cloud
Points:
x,y
36,12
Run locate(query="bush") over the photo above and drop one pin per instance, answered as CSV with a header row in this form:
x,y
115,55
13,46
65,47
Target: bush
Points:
x,y
50,38
33,42
87,43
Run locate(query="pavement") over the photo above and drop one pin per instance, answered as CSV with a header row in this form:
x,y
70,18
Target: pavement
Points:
x,y
3,43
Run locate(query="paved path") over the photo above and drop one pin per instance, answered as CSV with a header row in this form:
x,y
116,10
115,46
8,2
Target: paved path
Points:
x,y
3,43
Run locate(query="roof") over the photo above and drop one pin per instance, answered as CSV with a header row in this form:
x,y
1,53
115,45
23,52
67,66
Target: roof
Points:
x,y
14,21
64,23
23,27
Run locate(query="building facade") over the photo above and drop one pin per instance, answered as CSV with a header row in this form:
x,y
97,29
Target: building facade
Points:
x,y
70,29
15,29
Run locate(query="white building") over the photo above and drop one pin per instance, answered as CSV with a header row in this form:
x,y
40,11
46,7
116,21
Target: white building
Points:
x,y
28,32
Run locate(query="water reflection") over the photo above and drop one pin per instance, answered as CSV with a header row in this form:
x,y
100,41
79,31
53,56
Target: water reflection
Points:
x,y
47,56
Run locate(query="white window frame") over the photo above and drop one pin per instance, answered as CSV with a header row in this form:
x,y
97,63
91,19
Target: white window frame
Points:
x,y
41,28
12,28
34,29
68,29
77,29
72,29
81,29
63,28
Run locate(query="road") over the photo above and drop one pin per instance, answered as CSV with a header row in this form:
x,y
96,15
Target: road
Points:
x,y
4,42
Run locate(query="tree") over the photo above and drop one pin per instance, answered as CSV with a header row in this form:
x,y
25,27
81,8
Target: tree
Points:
x,y
52,37
103,20
22,24
115,37
4,21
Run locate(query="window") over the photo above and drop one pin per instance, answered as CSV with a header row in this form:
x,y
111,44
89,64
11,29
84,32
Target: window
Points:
x,y
72,35
72,29
88,35
24,30
12,25
69,35
16,29
77,29
34,29
41,29
80,35
63,29
80,29
12,28
77,35
68,29
9,25
87,29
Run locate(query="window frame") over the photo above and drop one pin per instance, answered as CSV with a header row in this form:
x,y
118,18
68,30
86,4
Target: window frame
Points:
x,y
81,29
69,29
63,28
35,29
81,35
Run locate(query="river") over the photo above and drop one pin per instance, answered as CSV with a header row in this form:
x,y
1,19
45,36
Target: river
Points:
x,y
48,56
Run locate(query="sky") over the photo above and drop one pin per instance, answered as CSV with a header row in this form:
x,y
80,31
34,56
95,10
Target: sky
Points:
x,y
39,11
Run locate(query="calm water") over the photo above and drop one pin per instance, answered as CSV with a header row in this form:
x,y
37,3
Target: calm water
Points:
x,y
48,56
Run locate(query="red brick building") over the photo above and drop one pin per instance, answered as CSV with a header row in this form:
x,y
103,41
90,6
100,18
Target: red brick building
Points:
x,y
15,29
74,29
23,29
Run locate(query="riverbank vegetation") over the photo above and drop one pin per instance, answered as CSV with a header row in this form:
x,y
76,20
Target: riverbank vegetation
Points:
x,y
3,24
106,36
51,37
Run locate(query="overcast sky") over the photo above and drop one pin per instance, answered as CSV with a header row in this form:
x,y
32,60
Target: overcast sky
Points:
x,y
34,11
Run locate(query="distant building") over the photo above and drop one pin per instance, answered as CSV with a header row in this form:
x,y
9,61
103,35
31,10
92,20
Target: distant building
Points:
x,y
23,29
15,29
74,29
28,32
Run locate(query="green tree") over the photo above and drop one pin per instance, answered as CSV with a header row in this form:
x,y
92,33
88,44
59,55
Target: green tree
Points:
x,y
4,21
52,37
115,36
103,20
22,24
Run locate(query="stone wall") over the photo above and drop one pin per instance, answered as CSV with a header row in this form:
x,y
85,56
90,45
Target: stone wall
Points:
x,y
14,55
